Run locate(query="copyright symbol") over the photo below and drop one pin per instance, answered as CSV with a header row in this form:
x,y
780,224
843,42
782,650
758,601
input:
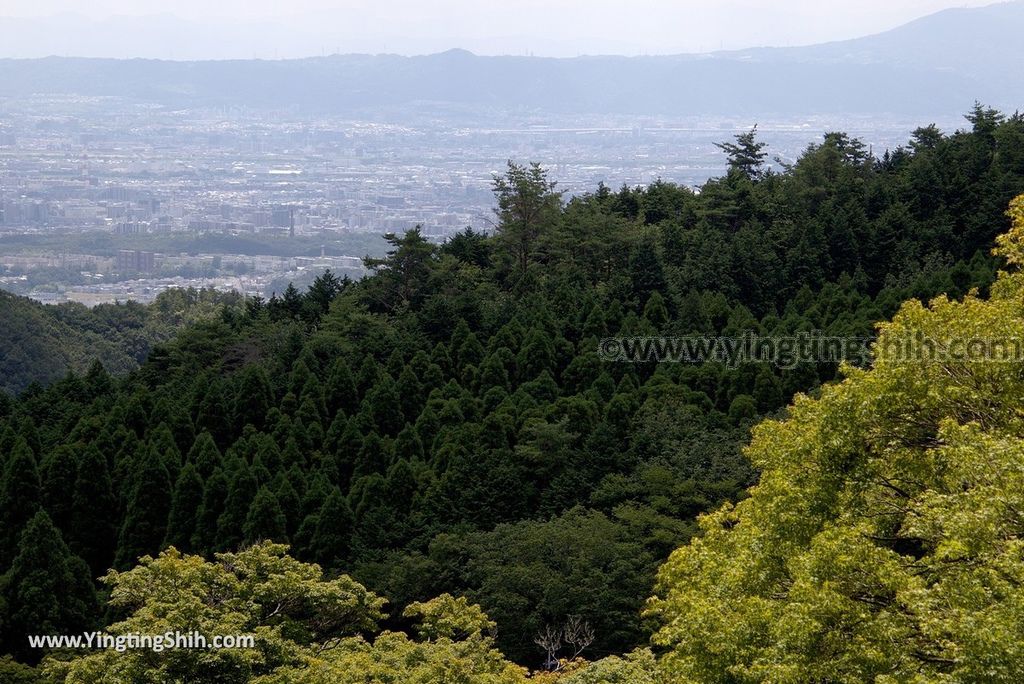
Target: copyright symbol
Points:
x,y
610,349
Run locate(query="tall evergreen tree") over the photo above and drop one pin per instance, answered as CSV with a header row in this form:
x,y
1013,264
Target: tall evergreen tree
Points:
x,y
646,271
204,455
385,407
340,392
213,412
58,472
253,397
186,502
46,591
241,491
175,415
148,505
332,537
265,520
528,207
215,495
746,155
94,513
20,498
162,439
372,457
290,503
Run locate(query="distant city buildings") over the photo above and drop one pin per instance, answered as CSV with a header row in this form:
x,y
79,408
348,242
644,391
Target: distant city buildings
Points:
x,y
138,184
134,261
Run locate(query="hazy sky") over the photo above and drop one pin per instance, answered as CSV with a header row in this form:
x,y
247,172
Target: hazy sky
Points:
x,y
543,27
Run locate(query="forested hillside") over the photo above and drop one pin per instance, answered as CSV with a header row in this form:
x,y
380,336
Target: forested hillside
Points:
x,y
447,424
883,540
42,343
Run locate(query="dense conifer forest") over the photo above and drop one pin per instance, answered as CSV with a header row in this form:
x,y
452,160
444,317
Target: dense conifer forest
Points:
x,y
447,427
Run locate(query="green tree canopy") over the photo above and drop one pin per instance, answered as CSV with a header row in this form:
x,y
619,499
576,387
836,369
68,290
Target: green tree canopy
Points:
x,y
528,205
882,542
290,608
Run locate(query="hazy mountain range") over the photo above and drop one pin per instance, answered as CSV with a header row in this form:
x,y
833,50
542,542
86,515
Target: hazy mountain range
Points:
x,y
939,64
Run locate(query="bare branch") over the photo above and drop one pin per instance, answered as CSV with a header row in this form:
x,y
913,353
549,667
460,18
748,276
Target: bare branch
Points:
x,y
578,633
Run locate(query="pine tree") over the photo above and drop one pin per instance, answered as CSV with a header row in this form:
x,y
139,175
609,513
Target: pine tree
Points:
x,y
204,455
368,374
470,352
290,503
528,208
269,454
93,513
536,355
372,457
291,302
58,472
493,371
375,519
299,376
163,441
186,503
215,494
324,289
19,498
313,392
241,492
213,413
408,445
332,538
30,432
385,406
347,449
410,393
316,493
646,272
395,364
253,398
97,380
148,505
594,325
265,520
175,415
655,312
334,433
340,392
47,590
311,417
746,155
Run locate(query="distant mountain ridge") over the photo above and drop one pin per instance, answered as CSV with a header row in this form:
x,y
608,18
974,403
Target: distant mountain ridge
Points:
x,y
938,64
963,39
983,45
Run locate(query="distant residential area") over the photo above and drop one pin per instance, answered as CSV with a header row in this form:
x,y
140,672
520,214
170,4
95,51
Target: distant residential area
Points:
x,y
107,199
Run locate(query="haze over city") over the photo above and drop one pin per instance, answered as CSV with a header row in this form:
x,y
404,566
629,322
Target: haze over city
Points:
x,y
192,29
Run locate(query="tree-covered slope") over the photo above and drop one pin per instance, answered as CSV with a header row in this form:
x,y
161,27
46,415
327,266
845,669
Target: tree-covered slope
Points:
x,y
42,343
448,424
39,346
882,542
